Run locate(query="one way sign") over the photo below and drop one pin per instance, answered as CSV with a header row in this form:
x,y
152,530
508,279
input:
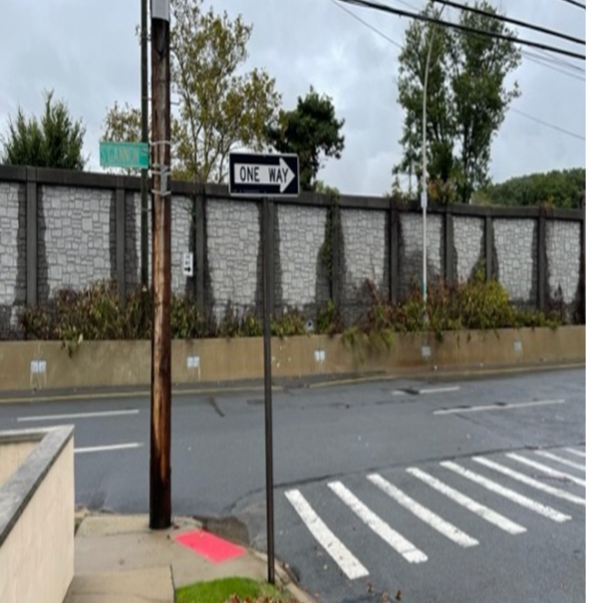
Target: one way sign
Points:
x,y
262,175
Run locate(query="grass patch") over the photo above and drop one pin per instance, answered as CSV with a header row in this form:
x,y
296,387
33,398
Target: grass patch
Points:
x,y
231,590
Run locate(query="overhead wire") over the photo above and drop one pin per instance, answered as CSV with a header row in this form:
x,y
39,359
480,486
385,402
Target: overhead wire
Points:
x,y
578,4
420,17
511,21
549,125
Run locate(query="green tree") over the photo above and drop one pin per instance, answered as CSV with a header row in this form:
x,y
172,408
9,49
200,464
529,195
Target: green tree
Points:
x,y
312,131
467,98
53,141
558,188
123,124
220,107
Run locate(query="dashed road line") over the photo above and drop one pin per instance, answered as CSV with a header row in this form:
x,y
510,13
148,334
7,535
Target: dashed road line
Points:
x,y
497,407
104,414
106,448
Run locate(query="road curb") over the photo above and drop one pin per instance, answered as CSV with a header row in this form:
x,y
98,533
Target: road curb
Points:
x,y
450,374
432,374
287,580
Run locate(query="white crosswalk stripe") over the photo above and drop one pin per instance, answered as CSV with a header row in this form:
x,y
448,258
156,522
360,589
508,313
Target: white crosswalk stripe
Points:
x,y
516,497
561,460
394,539
570,450
346,561
422,508
549,489
551,472
472,505
427,516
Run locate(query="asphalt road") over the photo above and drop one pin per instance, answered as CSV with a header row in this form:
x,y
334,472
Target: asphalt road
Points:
x,y
378,493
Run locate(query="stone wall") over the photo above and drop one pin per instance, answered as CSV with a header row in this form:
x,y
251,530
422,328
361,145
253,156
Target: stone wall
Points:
x,y
76,243
233,254
469,242
13,249
133,240
516,242
365,257
411,267
181,225
563,251
73,237
301,275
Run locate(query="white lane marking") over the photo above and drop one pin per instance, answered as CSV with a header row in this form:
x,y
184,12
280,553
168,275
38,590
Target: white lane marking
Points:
x,y
564,461
516,497
427,516
546,469
346,561
472,505
399,393
435,390
407,550
74,416
106,448
495,407
549,489
570,450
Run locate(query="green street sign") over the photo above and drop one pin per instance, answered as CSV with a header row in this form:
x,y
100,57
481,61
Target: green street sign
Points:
x,y
124,155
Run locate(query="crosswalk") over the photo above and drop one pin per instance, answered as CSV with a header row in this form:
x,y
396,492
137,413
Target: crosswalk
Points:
x,y
518,481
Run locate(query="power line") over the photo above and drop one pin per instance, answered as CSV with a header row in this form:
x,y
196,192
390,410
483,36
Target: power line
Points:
x,y
544,62
548,124
550,64
368,25
562,62
471,30
504,19
575,3
548,61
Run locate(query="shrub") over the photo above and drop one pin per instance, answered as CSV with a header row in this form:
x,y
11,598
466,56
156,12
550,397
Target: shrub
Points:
x,y
234,325
290,323
187,321
474,305
329,319
96,314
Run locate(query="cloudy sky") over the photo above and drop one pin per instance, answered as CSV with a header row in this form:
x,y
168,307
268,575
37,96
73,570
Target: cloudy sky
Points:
x,y
87,51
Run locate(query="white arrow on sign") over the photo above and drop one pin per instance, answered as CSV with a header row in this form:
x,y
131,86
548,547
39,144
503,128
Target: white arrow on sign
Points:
x,y
262,174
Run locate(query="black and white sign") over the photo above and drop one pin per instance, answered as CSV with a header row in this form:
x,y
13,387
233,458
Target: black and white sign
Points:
x,y
261,175
188,264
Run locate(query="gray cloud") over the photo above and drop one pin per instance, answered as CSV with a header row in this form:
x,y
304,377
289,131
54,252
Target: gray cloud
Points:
x,y
88,52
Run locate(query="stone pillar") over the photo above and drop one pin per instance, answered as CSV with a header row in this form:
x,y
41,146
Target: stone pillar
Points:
x,y
200,251
120,237
394,246
541,258
489,237
449,246
336,257
32,191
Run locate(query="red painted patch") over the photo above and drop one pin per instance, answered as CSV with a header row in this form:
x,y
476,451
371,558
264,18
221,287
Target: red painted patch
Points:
x,y
209,546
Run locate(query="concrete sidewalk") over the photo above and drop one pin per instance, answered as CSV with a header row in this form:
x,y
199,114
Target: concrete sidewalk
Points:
x,y
119,559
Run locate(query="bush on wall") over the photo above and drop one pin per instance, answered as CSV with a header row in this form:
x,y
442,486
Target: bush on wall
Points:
x,y
474,305
96,314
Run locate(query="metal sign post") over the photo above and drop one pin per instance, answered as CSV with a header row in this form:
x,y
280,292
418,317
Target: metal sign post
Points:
x,y
266,283
264,176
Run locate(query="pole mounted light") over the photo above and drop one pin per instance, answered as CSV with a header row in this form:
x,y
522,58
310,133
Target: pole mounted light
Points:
x,y
424,192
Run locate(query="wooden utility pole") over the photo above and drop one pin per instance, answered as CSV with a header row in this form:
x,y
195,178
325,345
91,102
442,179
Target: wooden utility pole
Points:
x,y
160,492
144,139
